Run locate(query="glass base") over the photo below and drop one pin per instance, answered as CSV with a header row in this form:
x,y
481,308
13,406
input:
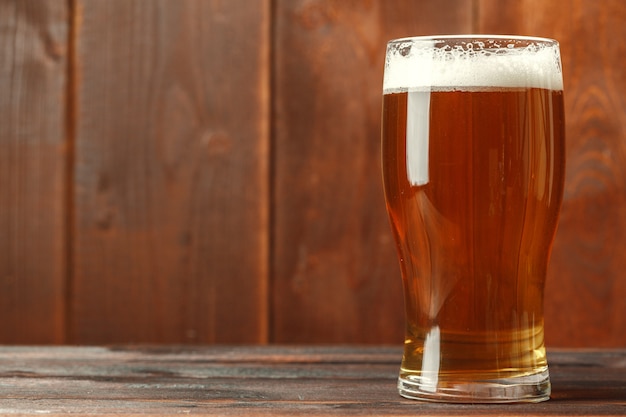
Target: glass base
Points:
x,y
527,388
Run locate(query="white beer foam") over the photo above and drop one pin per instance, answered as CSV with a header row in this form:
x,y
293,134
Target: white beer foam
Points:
x,y
417,64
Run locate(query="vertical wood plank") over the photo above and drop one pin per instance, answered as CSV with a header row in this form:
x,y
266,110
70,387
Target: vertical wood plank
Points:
x,y
335,271
171,174
586,288
33,65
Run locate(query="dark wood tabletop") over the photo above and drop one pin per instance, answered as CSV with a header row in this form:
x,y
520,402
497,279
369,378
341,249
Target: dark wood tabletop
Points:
x,y
270,380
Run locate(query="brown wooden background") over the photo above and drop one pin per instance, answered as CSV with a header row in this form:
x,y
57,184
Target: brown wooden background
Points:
x,y
207,171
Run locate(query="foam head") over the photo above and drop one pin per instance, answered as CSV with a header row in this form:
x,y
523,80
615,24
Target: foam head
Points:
x,y
468,62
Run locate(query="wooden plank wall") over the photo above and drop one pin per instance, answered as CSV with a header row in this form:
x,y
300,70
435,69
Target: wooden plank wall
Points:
x,y
33,180
206,171
170,204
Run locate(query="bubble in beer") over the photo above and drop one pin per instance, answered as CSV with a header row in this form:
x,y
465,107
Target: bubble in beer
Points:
x,y
418,64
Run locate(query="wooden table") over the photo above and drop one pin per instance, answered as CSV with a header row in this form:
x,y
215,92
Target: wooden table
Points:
x,y
269,380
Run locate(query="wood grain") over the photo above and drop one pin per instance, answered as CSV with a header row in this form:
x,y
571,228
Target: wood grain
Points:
x,y
334,268
33,65
266,381
171,175
586,289
202,171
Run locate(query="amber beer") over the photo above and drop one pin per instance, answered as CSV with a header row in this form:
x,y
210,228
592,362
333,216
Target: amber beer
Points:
x,y
473,170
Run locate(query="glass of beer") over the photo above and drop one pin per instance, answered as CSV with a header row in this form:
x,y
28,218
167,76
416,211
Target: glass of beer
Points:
x,y
473,155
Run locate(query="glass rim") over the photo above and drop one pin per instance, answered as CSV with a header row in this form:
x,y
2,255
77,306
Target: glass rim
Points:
x,y
474,37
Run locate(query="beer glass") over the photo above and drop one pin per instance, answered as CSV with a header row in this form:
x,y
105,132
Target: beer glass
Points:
x,y
473,159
